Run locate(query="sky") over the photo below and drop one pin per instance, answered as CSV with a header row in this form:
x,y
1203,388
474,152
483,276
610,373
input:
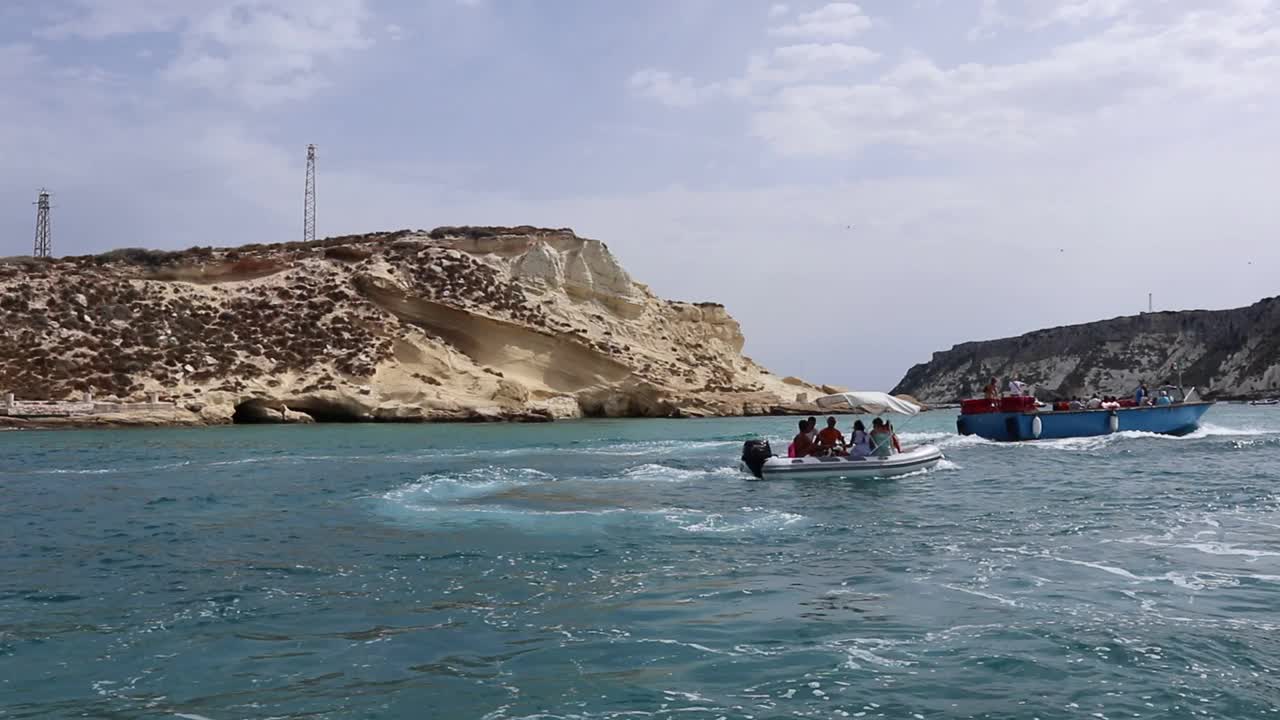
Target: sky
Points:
x,y
861,184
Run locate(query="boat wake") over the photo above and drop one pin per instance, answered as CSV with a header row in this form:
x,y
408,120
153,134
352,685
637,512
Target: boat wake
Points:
x,y
535,500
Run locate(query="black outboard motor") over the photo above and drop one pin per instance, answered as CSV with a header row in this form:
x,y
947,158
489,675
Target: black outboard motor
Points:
x,y
754,453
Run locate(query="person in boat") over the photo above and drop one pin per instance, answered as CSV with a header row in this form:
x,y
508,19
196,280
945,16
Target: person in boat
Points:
x,y
1140,395
813,429
803,445
1077,403
1017,388
1165,398
893,434
1095,402
831,440
859,441
1110,403
881,439
992,390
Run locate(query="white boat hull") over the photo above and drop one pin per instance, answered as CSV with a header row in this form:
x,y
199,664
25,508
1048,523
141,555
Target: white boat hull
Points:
x,y
912,459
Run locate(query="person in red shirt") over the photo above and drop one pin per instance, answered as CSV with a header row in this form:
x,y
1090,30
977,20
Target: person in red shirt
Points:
x,y
831,440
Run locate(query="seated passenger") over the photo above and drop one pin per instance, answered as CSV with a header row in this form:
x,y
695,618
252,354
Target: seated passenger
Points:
x,y
1016,388
1095,402
1164,398
881,439
893,434
859,441
1077,404
1110,403
831,440
803,445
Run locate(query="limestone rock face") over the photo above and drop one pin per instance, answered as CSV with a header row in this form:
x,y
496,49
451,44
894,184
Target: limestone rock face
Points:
x,y
470,323
1228,354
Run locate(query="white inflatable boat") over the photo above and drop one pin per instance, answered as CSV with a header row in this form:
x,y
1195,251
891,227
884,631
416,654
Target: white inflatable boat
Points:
x,y
759,460
911,459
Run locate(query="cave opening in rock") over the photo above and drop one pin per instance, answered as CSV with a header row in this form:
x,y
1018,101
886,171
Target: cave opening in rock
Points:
x,y
326,411
254,412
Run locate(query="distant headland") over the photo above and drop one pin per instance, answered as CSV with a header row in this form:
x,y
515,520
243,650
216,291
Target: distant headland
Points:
x,y
1227,354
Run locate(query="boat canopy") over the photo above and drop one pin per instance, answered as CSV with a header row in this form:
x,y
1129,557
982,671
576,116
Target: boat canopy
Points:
x,y
870,402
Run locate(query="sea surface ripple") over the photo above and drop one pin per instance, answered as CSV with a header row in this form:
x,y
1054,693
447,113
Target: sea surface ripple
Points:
x,y
626,569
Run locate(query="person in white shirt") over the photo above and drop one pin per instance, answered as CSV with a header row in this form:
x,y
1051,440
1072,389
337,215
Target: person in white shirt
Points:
x,y
1095,402
1016,388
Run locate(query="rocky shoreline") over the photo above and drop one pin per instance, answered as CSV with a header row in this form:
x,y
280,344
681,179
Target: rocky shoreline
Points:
x,y
1226,354
453,325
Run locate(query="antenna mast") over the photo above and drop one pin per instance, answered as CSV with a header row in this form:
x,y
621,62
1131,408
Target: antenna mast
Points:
x,y
309,198
44,237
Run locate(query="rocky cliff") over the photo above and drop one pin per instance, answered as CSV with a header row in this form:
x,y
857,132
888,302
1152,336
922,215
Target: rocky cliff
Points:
x,y
1226,353
454,324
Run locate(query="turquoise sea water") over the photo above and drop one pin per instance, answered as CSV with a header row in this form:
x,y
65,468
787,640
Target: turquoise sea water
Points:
x,y
625,569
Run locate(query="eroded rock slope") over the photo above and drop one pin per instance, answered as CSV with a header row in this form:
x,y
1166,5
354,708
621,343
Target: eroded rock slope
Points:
x,y
1226,353
458,323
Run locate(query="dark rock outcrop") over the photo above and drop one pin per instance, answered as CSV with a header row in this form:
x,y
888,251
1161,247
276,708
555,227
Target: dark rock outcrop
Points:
x,y
1228,354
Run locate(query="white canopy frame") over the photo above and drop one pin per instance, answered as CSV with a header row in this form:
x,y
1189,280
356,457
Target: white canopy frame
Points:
x,y
869,402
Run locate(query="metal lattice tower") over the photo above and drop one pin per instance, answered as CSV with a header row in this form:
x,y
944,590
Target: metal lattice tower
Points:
x,y
44,236
309,197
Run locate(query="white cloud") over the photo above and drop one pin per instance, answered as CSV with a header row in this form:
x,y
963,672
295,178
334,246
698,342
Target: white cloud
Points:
x,y
834,21
777,10
818,99
1076,11
668,89
792,64
256,51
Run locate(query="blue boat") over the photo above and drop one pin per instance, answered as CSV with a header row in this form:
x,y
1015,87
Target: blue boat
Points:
x,y
1024,419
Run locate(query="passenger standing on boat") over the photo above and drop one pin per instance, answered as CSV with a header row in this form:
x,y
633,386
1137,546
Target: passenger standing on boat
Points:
x,y
831,440
1140,395
881,439
1016,388
992,390
859,441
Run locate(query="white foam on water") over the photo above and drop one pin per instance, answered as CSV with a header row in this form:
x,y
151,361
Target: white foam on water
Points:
x,y
983,594
692,645
664,473
1104,568
1220,548
1211,430
751,519
944,439
428,492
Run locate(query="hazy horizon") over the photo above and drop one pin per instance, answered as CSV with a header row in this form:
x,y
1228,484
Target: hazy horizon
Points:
x,y
860,184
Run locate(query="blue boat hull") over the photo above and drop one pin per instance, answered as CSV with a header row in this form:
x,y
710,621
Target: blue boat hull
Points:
x,y
1176,419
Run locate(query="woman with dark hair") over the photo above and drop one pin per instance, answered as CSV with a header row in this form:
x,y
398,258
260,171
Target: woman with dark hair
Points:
x,y
859,441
